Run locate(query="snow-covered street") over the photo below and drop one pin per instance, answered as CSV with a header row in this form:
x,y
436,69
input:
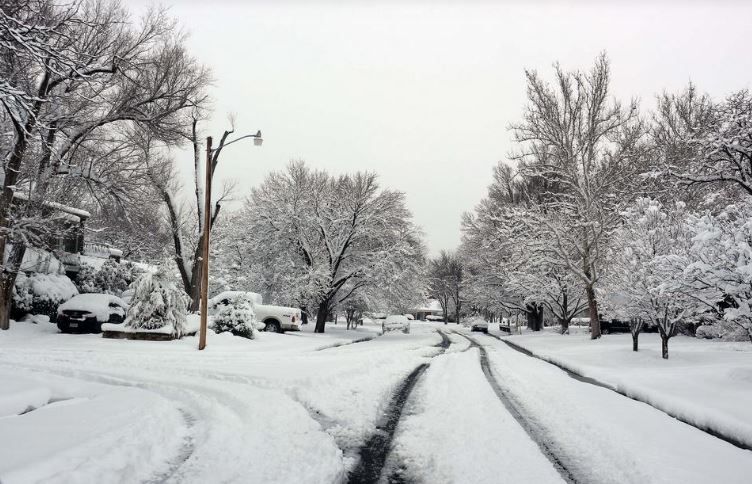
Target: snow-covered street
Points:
x,y
299,407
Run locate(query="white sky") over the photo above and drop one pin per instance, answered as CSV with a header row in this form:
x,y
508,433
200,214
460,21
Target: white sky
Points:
x,y
423,93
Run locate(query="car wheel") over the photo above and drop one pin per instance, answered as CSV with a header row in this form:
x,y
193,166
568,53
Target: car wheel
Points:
x,y
63,328
272,327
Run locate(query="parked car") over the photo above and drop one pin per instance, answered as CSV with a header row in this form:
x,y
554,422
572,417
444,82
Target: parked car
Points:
x,y
476,324
396,322
433,317
276,319
87,312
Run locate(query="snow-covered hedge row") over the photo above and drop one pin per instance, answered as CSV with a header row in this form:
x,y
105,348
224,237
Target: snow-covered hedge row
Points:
x,y
42,293
112,278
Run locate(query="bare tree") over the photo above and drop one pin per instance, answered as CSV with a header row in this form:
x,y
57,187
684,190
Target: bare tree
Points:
x,y
583,145
445,277
79,74
187,221
721,153
335,236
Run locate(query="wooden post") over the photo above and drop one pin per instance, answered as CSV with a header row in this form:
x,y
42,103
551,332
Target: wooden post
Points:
x,y
205,251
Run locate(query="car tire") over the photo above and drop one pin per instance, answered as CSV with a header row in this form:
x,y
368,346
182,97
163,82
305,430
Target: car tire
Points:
x,y
63,328
272,326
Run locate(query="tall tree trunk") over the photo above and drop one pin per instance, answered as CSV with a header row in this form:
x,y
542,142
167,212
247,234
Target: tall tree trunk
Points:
x,y
564,325
321,314
635,338
534,316
8,280
595,322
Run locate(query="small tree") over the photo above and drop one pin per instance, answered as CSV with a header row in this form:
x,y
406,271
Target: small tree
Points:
x,y
157,303
647,261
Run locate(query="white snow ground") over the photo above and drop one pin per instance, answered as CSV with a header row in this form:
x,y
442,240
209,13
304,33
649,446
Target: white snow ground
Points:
x,y
708,383
610,438
296,407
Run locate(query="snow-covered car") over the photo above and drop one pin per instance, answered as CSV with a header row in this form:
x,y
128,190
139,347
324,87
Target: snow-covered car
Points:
x,y
432,317
397,322
476,324
275,319
87,312
410,317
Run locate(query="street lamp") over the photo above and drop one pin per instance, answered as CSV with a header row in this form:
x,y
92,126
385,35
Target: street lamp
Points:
x,y
257,141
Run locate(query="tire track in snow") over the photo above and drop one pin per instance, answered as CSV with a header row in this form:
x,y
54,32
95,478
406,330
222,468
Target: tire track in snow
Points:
x,y
348,343
374,453
536,433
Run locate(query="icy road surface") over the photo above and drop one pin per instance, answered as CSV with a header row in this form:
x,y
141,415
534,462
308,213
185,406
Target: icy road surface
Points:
x,y
302,408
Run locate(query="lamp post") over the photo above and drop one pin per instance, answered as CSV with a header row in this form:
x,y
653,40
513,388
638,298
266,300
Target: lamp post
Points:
x,y
257,140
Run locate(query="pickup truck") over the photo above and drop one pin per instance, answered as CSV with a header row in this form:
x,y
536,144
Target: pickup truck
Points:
x,y
276,319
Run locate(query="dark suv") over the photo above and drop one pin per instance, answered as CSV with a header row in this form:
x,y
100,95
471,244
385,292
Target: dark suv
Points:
x,y
85,313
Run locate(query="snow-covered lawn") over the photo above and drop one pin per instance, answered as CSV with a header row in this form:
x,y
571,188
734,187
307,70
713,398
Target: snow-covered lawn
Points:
x,y
608,438
708,383
276,409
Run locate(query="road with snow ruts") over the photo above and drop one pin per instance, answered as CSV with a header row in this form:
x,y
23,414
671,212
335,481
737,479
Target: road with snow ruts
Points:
x,y
438,405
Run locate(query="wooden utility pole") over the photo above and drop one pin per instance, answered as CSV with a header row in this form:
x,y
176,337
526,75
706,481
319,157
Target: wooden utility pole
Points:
x,y
205,251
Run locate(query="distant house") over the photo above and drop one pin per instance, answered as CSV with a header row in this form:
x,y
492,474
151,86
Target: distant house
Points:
x,y
66,245
429,308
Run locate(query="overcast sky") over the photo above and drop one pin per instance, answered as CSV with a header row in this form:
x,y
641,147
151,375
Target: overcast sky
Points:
x,y
421,93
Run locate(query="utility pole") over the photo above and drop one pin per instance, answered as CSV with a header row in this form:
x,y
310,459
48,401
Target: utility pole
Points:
x,y
205,251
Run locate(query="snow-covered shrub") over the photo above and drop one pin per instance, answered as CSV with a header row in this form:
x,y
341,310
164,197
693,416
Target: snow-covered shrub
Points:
x,y
114,278
237,317
42,293
85,279
157,303
722,330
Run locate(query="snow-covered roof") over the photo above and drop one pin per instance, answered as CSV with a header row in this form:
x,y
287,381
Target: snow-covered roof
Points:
x,y
81,214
